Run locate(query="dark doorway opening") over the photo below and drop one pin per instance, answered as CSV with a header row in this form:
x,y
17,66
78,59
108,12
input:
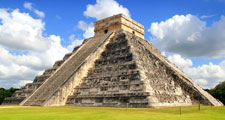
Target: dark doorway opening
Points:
x,y
105,31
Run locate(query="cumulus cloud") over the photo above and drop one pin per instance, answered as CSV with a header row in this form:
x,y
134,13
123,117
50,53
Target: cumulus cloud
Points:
x,y
189,36
206,75
105,8
100,10
39,13
20,31
87,28
22,40
180,61
24,51
75,42
29,6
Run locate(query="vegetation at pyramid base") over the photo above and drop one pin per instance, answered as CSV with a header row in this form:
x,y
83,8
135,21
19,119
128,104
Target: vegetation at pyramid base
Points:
x,y
218,92
6,93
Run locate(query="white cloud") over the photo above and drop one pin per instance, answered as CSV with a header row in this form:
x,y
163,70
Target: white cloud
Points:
x,y
83,25
20,31
72,37
39,13
100,10
88,28
206,16
23,82
179,61
105,8
75,42
24,51
206,75
189,36
29,6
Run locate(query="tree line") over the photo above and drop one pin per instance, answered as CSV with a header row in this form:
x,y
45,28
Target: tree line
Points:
x,y
6,93
218,92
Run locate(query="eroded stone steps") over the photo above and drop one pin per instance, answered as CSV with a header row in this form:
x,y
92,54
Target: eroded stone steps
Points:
x,y
111,94
113,76
111,84
103,74
61,74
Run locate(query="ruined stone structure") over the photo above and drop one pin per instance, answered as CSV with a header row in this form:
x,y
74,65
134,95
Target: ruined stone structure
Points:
x,y
116,67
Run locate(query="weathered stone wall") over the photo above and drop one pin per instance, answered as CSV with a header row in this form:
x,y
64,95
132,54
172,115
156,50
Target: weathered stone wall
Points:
x,y
119,22
113,81
160,84
169,84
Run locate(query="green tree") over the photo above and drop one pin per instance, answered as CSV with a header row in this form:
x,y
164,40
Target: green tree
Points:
x,y
219,92
6,93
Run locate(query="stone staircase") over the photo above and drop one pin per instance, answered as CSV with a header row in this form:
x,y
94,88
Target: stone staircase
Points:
x,y
64,72
113,81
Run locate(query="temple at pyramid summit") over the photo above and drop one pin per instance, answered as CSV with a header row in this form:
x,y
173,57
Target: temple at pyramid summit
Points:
x,y
116,67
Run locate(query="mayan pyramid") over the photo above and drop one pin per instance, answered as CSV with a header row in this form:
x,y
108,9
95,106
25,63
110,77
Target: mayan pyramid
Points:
x,y
116,67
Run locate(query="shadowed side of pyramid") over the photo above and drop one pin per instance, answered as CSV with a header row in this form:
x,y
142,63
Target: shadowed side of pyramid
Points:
x,y
131,72
166,84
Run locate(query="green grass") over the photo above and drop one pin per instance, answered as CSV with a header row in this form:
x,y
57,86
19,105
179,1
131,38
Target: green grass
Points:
x,y
109,113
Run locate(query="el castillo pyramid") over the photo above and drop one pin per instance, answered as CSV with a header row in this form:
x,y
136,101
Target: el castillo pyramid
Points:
x,y
116,67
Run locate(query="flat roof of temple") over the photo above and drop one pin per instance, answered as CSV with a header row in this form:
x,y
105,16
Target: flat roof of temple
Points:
x,y
117,16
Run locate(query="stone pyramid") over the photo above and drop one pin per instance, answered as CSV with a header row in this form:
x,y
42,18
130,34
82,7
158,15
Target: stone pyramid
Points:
x,y
116,67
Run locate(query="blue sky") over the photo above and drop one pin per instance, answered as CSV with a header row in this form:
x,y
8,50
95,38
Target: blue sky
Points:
x,y
188,32
145,12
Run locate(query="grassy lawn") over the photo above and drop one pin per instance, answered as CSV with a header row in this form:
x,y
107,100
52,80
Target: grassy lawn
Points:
x,y
109,113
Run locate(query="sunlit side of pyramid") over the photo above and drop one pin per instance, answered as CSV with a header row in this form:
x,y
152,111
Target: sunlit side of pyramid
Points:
x,y
116,67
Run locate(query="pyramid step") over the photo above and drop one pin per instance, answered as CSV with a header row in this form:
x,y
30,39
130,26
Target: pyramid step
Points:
x,y
116,52
105,95
33,86
13,100
114,84
103,72
118,65
58,63
17,93
118,75
41,78
49,71
67,56
120,59
75,49
20,95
